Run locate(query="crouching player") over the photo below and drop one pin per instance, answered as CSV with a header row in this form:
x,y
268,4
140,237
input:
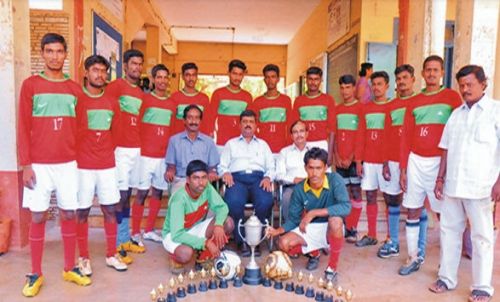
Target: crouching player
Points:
x,y
188,225
323,199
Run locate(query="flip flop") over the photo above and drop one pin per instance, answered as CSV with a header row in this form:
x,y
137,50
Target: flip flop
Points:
x,y
438,287
479,296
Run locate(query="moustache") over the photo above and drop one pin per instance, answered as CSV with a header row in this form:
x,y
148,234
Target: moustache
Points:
x,y
193,124
248,127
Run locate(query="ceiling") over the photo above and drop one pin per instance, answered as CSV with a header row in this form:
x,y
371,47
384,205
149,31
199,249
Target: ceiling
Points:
x,y
254,21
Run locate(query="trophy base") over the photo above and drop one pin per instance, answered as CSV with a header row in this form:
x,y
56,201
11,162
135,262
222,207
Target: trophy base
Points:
x,y
253,276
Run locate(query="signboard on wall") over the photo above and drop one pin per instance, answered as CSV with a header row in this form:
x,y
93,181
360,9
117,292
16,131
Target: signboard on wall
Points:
x,y
342,60
107,42
339,20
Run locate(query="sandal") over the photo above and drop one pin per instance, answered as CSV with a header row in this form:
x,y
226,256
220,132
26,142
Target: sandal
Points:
x,y
479,296
438,287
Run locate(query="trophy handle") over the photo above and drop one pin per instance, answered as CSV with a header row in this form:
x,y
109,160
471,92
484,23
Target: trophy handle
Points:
x,y
266,225
239,230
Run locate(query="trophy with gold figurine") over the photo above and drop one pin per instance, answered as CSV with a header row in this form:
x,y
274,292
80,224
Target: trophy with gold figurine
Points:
x,y
212,283
181,290
237,278
310,288
320,295
299,288
203,287
267,281
289,286
171,296
191,287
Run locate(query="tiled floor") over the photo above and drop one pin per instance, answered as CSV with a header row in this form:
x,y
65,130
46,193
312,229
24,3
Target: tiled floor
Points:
x,y
369,277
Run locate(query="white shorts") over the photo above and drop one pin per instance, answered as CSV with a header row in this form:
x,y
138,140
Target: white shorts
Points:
x,y
151,173
97,182
315,236
372,177
323,144
392,186
127,167
63,178
421,174
198,230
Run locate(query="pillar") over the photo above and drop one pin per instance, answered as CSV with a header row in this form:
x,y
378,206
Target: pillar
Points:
x,y
15,67
476,33
153,48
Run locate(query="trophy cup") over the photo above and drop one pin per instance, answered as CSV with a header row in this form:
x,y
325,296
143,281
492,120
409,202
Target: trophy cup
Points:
x,y
171,296
191,288
253,233
203,287
320,295
181,291
348,295
310,289
299,288
289,286
212,283
267,281
237,279
223,281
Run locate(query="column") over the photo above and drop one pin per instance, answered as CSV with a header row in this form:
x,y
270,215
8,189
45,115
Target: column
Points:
x,y
153,48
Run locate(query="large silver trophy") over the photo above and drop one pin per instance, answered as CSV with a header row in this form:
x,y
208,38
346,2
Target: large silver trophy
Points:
x,y
253,237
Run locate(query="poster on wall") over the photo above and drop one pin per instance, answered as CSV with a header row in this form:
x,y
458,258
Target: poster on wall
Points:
x,y
342,60
107,42
339,20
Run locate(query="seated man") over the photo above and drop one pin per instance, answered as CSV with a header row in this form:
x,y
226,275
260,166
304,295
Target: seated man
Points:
x,y
290,163
247,169
324,200
188,225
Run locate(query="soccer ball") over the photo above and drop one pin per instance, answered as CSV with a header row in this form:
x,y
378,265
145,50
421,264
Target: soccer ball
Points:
x,y
225,265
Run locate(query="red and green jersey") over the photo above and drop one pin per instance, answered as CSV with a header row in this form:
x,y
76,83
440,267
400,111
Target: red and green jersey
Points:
x,y
394,127
157,119
47,120
129,97
226,107
424,122
347,118
318,113
371,135
184,211
182,100
273,120
97,116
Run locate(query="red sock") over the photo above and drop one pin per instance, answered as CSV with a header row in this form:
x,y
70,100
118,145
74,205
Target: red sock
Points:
x,y
371,213
352,220
204,255
68,231
154,208
110,231
82,238
295,250
314,253
37,238
137,212
335,248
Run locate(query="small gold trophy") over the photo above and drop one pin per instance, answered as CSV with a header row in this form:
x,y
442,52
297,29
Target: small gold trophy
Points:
x,y
237,277
212,284
191,288
203,287
267,281
310,289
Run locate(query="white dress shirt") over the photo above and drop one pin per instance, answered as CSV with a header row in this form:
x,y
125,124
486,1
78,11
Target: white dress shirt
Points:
x,y
239,155
472,138
290,163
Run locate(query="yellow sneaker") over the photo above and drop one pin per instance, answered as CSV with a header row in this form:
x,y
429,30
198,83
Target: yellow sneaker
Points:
x,y
76,276
32,286
123,256
133,247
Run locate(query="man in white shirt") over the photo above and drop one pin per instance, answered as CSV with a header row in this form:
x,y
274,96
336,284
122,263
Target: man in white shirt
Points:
x,y
247,169
468,184
290,163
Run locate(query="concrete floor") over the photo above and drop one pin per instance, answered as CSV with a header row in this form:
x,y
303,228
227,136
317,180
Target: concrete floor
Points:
x,y
369,277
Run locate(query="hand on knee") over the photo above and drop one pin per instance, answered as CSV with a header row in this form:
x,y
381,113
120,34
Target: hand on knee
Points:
x,y
228,225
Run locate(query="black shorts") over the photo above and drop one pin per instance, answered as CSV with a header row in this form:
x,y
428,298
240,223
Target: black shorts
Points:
x,y
349,175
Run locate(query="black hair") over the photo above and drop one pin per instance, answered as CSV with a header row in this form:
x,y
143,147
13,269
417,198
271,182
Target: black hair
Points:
x,y
248,113
238,64
433,58
271,67
380,74
95,59
50,38
314,70
196,166
187,66
295,124
477,70
316,153
347,79
131,53
364,67
189,107
405,67
157,68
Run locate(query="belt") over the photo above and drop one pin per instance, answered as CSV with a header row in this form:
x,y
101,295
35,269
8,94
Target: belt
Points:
x,y
247,172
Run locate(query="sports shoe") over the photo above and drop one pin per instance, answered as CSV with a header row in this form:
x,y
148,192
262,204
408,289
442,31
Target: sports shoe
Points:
x,y
84,266
176,267
76,276
366,241
331,275
411,266
133,246
124,256
351,235
152,236
312,263
116,263
33,284
388,249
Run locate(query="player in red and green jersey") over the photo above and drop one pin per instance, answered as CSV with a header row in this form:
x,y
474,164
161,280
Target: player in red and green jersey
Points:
x,y
47,130
188,225
97,114
128,145
346,131
228,103
157,120
317,110
369,154
189,95
423,125
273,110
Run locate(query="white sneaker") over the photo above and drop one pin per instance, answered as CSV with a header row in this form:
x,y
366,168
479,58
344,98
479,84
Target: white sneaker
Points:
x,y
116,263
152,236
84,266
137,239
